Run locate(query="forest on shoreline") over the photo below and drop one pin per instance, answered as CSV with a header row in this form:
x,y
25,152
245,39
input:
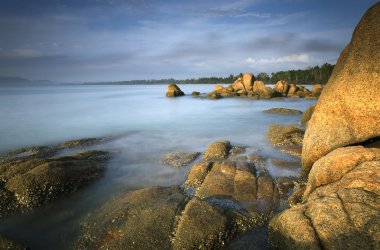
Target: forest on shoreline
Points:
x,y
311,75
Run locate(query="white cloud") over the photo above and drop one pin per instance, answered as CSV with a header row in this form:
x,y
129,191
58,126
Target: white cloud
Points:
x,y
300,58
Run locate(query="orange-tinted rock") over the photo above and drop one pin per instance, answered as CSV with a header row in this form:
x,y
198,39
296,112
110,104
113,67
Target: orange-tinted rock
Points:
x,y
341,204
348,110
173,90
282,87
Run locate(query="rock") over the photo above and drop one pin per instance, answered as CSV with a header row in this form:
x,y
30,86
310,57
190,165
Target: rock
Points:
x,y
80,143
282,87
206,226
244,83
281,135
341,204
287,138
26,184
217,150
348,109
261,90
218,88
179,159
307,115
285,164
316,90
292,90
195,93
234,182
214,95
283,111
7,244
173,90
236,150
142,219
296,197
28,153
197,174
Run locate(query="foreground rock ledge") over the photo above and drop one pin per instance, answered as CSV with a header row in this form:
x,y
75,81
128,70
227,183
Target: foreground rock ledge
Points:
x,y
36,179
341,205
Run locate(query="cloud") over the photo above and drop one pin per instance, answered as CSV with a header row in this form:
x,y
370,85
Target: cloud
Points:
x,y
296,58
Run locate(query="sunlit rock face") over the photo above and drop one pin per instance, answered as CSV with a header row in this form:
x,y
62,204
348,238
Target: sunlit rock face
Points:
x,y
340,206
348,109
173,90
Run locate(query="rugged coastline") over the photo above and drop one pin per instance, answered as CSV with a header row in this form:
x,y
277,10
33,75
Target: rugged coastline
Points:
x,y
229,190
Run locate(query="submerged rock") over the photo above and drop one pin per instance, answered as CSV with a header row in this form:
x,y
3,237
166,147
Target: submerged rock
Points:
x,y
179,159
341,205
195,93
84,142
7,244
348,109
283,111
173,91
217,150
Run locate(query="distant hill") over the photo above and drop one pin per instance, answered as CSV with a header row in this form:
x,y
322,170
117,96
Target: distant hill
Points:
x,y
19,81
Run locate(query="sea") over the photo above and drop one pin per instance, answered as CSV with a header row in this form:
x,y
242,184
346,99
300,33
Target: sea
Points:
x,y
142,125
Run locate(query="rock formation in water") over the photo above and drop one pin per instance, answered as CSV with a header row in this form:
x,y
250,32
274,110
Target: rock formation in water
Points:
x,y
219,200
340,206
348,110
246,86
173,91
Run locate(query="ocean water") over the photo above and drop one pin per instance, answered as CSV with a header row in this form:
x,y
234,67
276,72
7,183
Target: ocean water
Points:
x,y
143,124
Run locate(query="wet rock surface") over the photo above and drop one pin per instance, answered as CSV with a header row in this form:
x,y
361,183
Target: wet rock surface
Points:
x,y
179,159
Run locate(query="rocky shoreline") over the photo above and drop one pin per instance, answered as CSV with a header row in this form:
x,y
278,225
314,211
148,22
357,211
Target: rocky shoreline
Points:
x,y
229,191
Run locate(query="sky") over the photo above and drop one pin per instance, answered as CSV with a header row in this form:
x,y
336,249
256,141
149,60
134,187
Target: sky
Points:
x,y
114,40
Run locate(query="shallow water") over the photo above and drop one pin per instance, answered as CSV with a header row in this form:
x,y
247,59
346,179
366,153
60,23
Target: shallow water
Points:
x,y
143,124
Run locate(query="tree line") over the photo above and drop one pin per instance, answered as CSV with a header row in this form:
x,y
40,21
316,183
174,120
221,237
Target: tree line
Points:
x,y
311,75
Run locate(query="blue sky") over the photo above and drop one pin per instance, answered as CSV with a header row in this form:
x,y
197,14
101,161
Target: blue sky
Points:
x,y
111,40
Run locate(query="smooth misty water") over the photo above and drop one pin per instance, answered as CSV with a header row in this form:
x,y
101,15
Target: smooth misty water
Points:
x,y
144,125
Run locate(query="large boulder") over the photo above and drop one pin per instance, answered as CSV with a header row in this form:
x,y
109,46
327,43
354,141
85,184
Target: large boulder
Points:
x,y
244,83
340,208
262,91
348,110
173,90
282,87
316,90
